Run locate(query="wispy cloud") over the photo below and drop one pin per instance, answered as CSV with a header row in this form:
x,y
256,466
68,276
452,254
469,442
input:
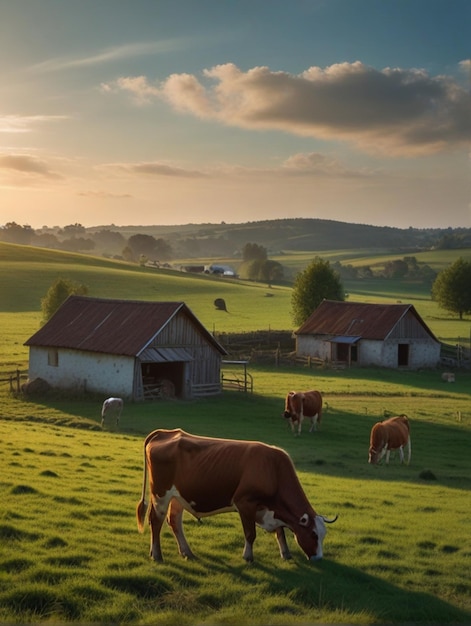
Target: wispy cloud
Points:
x,y
307,165
104,195
27,164
109,55
25,123
391,112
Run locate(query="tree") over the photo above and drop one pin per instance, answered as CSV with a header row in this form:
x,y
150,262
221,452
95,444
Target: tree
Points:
x,y
142,244
263,270
451,289
254,252
14,233
57,294
316,283
396,269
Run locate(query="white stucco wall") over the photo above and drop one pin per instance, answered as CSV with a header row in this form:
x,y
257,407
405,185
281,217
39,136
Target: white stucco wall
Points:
x,y
84,371
307,345
422,352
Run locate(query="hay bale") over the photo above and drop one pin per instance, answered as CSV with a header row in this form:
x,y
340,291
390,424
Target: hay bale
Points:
x,y
36,387
220,304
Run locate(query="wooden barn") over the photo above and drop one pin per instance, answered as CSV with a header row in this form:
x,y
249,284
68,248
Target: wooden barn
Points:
x,y
361,334
137,350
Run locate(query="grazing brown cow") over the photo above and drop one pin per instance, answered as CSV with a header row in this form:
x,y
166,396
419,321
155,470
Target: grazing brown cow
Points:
x,y
390,434
207,476
301,404
112,406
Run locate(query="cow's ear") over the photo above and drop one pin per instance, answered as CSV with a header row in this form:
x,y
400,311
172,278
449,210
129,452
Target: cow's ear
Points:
x,y
304,520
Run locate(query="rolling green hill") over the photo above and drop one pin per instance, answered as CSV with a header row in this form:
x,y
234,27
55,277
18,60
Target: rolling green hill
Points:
x,y
27,272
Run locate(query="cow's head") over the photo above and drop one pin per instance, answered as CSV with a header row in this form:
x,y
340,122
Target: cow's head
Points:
x,y
378,444
310,533
292,406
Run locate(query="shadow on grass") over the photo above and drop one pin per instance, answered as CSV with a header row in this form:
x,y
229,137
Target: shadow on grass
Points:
x,y
327,586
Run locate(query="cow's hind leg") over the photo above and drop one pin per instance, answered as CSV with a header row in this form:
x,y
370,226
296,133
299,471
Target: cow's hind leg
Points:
x,y
175,521
409,450
401,454
313,423
157,514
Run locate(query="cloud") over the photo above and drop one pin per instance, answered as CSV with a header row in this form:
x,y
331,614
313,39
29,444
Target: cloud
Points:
x,y
26,164
109,55
138,86
104,195
153,168
25,123
307,165
314,163
392,111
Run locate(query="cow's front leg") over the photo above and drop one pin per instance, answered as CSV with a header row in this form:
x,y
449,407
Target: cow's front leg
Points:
x,y
175,521
250,534
156,519
282,544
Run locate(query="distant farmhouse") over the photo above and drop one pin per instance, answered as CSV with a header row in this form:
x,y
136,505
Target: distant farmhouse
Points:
x,y
134,349
384,335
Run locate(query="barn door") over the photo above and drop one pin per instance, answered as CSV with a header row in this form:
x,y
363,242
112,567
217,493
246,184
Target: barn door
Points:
x,y
403,354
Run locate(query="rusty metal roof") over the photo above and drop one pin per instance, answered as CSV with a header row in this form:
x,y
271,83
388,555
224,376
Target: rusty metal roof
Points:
x,y
124,327
357,319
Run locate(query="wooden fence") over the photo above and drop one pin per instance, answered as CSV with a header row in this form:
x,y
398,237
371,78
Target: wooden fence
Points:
x,y
14,380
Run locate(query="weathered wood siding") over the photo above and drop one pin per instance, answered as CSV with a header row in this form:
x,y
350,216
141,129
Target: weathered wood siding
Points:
x,y
204,371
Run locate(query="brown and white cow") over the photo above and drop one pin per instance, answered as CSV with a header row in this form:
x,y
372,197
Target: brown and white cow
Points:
x,y
111,406
390,434
207,476
301,404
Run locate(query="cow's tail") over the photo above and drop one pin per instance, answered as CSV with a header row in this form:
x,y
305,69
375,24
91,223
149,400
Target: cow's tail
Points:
x,y
142,505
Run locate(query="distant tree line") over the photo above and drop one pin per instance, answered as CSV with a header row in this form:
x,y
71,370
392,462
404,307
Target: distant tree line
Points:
x,y
407,268
76,238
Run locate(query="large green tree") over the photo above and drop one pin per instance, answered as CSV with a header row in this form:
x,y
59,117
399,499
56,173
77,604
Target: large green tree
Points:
x,y
58,293
316,283
452,288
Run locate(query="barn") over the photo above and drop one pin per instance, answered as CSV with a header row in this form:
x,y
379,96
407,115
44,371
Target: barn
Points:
x,y
362,334
138,350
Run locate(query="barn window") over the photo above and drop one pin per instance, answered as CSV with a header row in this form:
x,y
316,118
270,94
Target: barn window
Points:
x,y
53,357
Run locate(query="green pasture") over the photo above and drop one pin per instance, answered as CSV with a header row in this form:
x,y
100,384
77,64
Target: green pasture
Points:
x,y
397,553
69,547
26,273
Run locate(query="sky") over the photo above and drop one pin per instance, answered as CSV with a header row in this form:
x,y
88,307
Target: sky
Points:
x,y
142,112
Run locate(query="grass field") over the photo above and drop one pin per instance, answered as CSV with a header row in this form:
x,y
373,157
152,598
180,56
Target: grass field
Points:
x,y
397,553
26,273
69,547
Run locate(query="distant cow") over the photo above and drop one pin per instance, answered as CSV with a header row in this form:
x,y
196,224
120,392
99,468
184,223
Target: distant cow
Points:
x,y
301,404
390,434
206,476
112,406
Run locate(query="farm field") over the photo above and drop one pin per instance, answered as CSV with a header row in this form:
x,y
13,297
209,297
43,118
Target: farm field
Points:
x,y
26,273
70,550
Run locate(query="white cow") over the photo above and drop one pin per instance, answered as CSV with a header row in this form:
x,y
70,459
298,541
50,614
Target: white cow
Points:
x,y
112,405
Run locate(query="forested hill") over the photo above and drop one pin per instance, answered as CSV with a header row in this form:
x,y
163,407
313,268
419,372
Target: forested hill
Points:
x,y
227,239
305,235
